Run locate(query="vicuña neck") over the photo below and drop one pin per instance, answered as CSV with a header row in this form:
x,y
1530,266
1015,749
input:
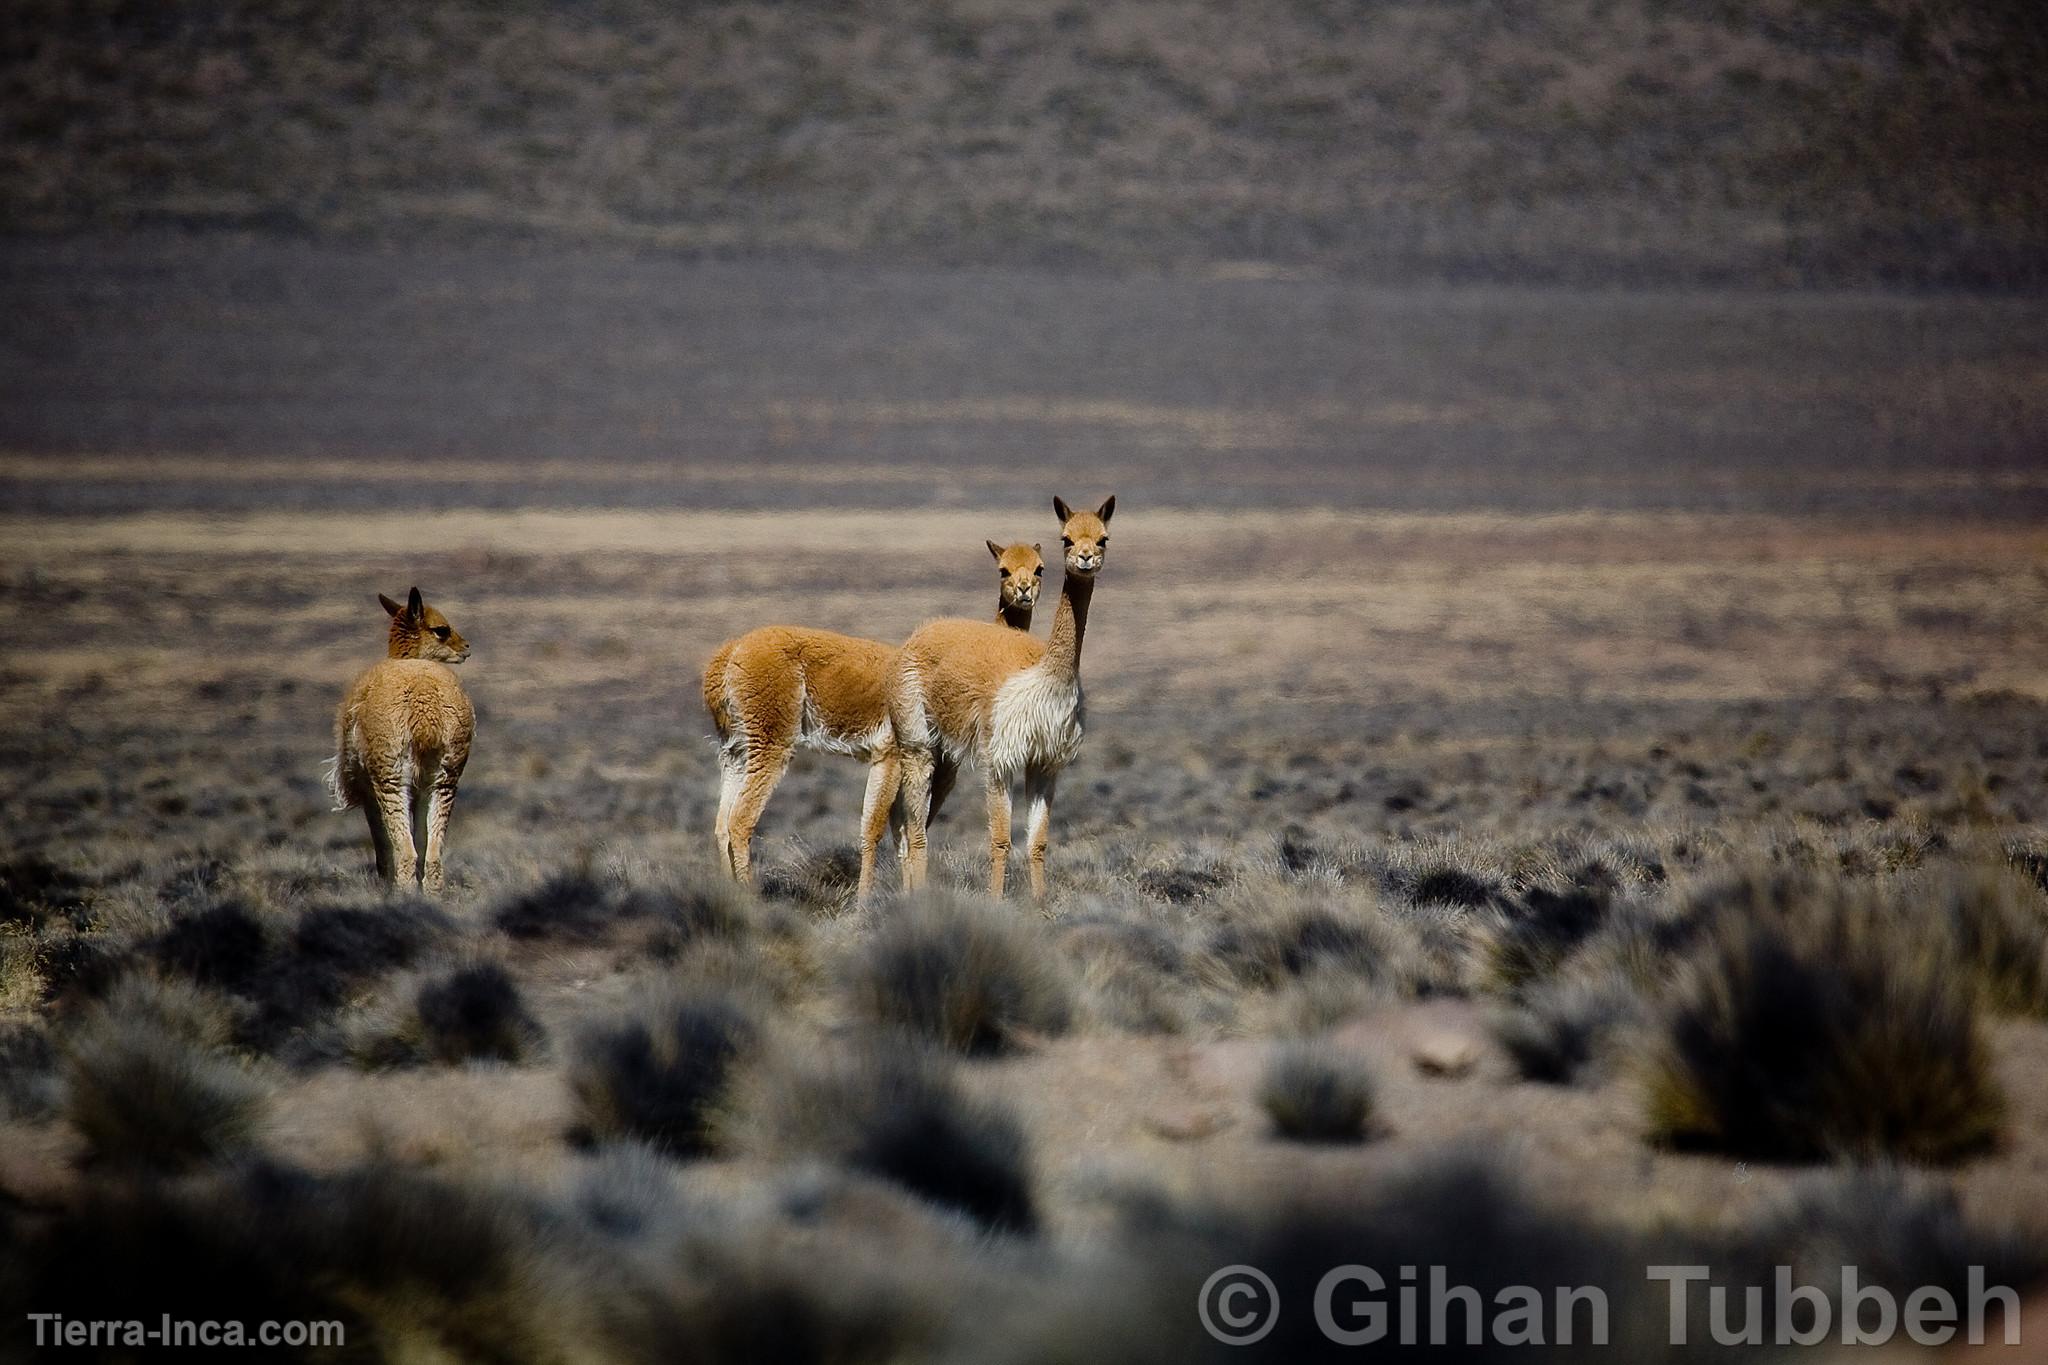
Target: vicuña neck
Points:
x,y
405,641
1069,624
1012,615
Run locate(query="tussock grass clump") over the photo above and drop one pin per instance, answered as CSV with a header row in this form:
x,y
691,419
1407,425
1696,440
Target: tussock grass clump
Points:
x,y
468,1010
29,1086
965,976
579,907
824,880
896,1112
571,905
1564,1031
1272,933
661,1073
1999,920
1314,1093
146,1085
475,1011
1818,1021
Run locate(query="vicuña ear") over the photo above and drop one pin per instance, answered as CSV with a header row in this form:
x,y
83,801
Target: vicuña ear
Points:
x,y
1106,509
390,606
1060,508
995,550
414,607
1038,549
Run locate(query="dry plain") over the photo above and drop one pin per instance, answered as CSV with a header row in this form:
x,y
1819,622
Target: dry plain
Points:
x,y
1476,788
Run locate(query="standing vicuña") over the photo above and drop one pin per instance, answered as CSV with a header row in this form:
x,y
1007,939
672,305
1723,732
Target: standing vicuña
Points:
x,y
401,739
780,688
962,689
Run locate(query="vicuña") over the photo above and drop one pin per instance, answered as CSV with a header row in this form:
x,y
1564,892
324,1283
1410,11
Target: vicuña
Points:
x,y
401,739
964,690
775,690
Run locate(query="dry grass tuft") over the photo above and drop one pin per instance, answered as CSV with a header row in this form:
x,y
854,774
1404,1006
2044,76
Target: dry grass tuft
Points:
x,y
661,1073
1313,1093
1819,1020
897,1112
968,976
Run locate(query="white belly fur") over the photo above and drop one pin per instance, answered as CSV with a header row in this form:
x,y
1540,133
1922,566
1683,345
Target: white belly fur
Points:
x,y
1035,723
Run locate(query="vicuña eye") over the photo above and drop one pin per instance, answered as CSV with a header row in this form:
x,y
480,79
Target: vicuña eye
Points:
x,y
1038,572
1067,541
1004,572
442,632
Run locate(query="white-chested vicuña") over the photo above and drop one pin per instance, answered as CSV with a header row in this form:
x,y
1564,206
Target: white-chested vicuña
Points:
x,y
778,689
962,690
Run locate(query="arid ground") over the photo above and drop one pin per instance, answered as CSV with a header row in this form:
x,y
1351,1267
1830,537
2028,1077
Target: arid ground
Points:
x,y
1598,742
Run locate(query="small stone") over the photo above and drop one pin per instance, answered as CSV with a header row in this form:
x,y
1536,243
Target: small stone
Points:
x,y
1449,1055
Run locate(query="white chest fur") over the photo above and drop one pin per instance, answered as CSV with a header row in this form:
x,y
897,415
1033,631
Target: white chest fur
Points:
x,y
1035,722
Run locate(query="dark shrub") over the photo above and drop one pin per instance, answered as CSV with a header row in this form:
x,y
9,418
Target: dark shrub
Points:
x,y
223,945
661,1073
1562,1029
825,880
1179,885
352,942
1816,1022
474,1011
1316,1094
2000,924
897,1113
33,889
961,975
29,1088
572,905
143,1096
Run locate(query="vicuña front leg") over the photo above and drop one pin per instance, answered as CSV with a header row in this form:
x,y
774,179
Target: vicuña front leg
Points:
x,y
998,832
1038,825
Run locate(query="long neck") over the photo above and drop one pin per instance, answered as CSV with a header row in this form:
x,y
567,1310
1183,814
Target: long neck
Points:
x,y
1011,615
405,640
1069,624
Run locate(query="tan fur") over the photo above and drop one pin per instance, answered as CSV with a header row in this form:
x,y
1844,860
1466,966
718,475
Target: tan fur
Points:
x,y
775,690
963,690
401,741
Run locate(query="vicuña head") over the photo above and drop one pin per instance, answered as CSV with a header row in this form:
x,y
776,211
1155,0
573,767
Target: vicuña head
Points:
x,y
1085,535
1021,573
401,739
420,632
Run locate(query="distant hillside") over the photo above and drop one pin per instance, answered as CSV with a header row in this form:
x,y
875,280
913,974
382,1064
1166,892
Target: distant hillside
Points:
x,y
1775,142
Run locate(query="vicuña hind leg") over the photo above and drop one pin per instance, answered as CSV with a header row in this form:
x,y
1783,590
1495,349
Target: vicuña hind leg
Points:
x,y
732,773
877,813
379,840
914,793
1038,825
438,807
394,814
998,832
765,767
944,773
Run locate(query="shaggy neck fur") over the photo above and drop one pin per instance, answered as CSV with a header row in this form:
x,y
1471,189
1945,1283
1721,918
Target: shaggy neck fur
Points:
x,y
407,638
1069,624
